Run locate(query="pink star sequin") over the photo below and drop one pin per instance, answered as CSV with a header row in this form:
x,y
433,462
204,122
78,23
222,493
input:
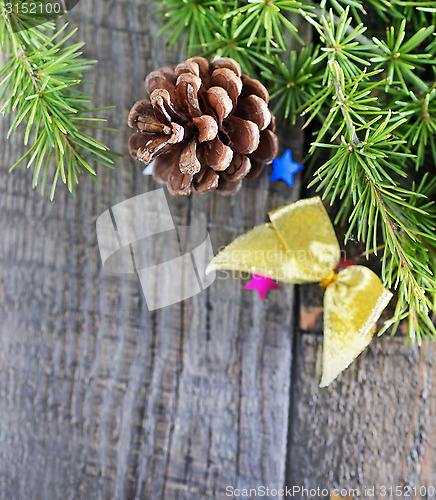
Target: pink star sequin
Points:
x,y
262,285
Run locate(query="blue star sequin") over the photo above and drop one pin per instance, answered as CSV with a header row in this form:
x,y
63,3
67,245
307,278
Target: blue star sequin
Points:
x,y
285,168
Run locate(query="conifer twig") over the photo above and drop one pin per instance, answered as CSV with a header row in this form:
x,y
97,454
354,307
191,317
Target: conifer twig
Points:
x,y
39,87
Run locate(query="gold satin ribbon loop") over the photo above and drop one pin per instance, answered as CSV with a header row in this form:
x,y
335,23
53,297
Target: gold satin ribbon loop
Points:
x,y
352,305
300,246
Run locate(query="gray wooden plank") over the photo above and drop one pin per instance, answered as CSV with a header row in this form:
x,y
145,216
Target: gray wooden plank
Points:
x,y
101,398
373,427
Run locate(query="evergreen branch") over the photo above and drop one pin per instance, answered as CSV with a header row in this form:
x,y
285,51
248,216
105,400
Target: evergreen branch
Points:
x,y
192,21
420,111
358,174
266,20
398,59
39,87
294,84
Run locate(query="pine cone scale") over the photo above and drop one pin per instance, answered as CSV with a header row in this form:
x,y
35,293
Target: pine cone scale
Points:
x,y
268,147
218,156
255,109
226,62
207,128
243,134
157,80
179,184
220,102
229,81
163,107
188,161
238,169
253,87
206,180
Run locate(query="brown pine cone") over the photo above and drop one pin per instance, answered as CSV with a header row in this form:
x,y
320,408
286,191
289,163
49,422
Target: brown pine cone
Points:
x,y
205,126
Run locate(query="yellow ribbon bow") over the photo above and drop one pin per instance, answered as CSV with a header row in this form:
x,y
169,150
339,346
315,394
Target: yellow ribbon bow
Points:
x,y
300,246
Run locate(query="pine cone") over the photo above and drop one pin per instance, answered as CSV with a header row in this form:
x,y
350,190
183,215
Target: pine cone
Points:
x,y
205,126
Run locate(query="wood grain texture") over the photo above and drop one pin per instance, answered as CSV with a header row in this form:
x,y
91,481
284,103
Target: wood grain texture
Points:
x,y
373,427
100,398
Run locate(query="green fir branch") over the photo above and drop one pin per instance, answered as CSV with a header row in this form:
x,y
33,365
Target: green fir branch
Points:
x,y
294,84
189,20
398,58
39,87
267,21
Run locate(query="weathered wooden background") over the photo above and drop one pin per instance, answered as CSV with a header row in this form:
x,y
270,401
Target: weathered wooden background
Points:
x,y
101,399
